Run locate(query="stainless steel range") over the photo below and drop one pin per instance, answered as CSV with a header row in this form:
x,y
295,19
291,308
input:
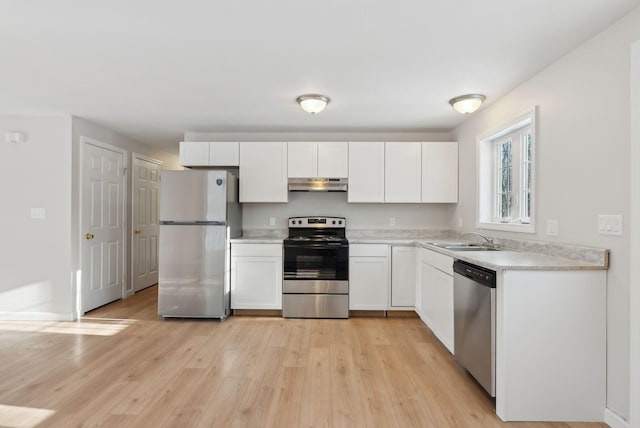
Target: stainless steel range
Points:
x,y
316,268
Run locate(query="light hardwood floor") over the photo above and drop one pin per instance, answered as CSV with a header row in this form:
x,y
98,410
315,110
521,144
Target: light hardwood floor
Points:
x,y
123,366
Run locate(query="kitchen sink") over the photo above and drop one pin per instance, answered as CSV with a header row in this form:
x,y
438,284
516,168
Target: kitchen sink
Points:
x,y
463,246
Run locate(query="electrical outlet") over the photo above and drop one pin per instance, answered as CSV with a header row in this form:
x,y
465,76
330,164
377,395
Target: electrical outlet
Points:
x,y
392,221
552,227
272,221
460,222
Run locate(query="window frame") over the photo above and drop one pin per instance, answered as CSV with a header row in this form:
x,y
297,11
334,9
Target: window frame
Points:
x,y
487,186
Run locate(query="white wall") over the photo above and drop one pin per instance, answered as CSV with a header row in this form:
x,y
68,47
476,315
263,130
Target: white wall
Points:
x,y
82,127
583,170
360,216
35,258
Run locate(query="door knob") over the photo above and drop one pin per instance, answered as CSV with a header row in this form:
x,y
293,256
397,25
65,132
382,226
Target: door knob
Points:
x,y
89,236
138,231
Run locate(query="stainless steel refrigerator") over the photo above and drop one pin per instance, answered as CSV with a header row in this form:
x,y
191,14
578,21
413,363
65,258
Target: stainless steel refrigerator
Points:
x,y
199,214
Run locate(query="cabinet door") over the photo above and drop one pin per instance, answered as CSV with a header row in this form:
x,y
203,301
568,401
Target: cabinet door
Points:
x,y
368,283
256,282
440,172
263,172
333,159
443,288
366,172
194,153
403,276
302,159
224,154
402,172
429,303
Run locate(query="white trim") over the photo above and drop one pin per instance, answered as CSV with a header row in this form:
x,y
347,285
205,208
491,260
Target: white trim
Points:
x,y
614,421
83,142
131,291
482,156
634,251
37,316
135,155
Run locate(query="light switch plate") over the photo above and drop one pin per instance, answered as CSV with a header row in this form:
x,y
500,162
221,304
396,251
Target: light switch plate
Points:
x,y
392,221
552,227
610,224
272,221
38,213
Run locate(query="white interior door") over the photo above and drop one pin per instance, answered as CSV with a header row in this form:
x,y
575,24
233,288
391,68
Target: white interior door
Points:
x,y
103,201
145,226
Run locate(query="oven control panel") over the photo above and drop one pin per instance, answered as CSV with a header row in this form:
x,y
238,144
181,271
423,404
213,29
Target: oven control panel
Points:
x,y
317,222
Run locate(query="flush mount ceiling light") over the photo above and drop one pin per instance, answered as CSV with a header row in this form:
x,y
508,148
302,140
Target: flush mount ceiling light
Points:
x,y
466,104
313,103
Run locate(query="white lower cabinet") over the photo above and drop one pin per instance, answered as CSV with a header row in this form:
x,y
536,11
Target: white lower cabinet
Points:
x,y
403,277
256,276
436,295
369,276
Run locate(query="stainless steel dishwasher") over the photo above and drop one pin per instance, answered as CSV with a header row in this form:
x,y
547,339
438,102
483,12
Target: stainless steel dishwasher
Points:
x,y
474,302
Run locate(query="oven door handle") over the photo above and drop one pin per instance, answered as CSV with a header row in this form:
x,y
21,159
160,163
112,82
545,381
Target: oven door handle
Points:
x,y
326,246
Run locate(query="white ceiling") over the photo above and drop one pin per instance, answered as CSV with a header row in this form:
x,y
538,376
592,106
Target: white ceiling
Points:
x,y
153,69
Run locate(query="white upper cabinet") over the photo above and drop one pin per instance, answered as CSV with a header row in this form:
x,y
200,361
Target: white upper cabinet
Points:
x,y
302,159
224,154
440,172
196,153
324,159
263,172
402,172
366,172
333,159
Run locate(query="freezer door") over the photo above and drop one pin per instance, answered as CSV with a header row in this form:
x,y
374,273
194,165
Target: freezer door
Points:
x,y
193,195
193,274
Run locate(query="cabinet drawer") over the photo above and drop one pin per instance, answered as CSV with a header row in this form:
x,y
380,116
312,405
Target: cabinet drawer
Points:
x,y
437,260
256,250
368,250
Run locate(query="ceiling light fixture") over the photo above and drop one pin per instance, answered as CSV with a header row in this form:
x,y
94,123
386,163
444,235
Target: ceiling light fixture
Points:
x,y
313,103
466,104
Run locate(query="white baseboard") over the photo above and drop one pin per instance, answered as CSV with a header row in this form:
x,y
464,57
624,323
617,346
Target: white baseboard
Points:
x,y
36,316
614,421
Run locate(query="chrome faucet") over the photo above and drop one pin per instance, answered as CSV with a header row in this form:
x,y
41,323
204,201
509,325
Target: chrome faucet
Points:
x,y
490,242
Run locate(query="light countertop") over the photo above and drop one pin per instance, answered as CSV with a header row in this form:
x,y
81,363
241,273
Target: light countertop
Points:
x,y
257,240
516,260
504,259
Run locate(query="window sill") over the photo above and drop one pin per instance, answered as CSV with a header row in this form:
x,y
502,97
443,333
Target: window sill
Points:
x,y
508,227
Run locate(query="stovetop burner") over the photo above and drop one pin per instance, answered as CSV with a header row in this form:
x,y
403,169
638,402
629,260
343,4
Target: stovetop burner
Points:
x,y
316,238
317,229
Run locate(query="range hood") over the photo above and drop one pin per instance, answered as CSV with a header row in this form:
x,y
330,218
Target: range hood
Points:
x,y
317,184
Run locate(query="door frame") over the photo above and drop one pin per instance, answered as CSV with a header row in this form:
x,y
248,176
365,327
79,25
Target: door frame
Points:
x,y
134,156
84,141
634,227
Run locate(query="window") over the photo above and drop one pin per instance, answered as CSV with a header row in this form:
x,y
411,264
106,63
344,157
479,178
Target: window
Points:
x,y
506,176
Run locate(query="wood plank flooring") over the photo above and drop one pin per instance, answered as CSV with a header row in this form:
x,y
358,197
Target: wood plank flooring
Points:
x,y
123,366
